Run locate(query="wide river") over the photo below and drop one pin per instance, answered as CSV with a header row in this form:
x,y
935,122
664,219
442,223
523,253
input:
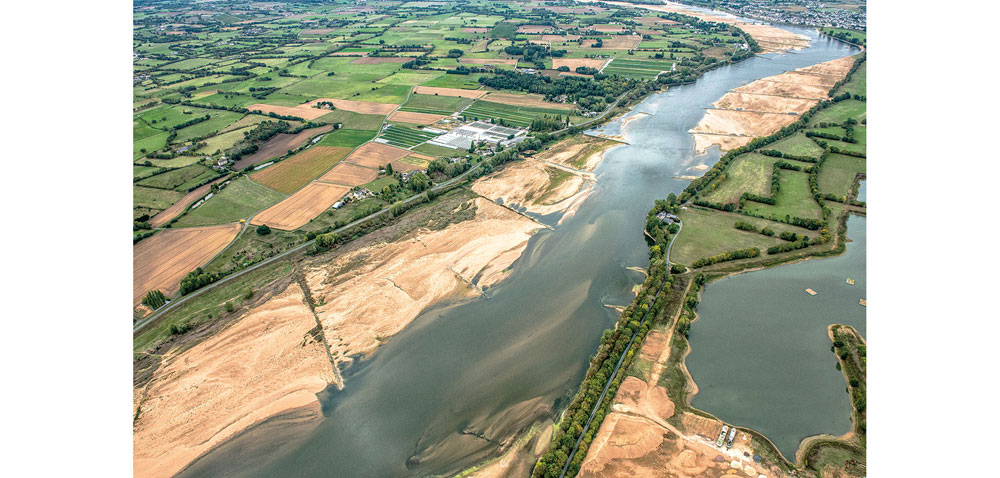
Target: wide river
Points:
x,y
490,367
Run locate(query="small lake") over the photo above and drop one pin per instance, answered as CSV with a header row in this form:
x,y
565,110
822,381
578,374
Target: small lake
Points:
x,y
760,353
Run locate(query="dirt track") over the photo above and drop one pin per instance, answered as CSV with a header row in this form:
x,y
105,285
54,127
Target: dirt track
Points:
x,y
264,364
161,261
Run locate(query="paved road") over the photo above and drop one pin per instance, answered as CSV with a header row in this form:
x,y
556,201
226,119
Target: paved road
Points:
x,y
600,400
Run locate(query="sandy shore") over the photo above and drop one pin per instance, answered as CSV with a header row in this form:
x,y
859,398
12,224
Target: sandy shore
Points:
x,y
368,295
766,105
264,364
531,184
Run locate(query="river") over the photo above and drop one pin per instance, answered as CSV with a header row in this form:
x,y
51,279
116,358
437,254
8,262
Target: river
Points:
x,y
436,398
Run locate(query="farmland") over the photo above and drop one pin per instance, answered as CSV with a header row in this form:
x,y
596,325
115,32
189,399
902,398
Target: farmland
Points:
x,y
509,114
291,174
405,137
162,260
240,199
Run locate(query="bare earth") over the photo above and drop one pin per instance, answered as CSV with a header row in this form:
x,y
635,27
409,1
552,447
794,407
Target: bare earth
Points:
x,y
433,90
374,155
415,118
572,63
264,364
298,209
161,261
528,184
363,107
487,61
528,99
580,152
761,108
371,294
349,174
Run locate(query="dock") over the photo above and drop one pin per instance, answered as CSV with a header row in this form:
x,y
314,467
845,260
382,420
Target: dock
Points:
x,y
810,292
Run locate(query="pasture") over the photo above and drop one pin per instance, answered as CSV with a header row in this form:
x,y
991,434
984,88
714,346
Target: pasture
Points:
x,y
240,199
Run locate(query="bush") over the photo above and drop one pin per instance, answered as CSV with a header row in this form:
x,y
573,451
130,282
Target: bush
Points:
x,y
263,230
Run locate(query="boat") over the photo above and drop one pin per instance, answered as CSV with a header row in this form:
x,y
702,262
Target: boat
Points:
x,y
850,281
732,436
810,292
722,436
863,302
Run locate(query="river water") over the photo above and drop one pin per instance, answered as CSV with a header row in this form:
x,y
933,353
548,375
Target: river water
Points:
x,y
436,397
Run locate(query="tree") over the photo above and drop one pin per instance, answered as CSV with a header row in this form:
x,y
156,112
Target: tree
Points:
x,y
388,169
263,230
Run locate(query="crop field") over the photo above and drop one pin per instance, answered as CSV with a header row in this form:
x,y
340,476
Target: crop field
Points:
x,y
510,114
645,69
435,104
301,207
430,90
291,174
347,138
349,174
278,145
240,199
376,155
405,137
161,261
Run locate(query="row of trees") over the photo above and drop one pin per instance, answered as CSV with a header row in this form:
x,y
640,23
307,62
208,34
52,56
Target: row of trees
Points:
x,y
747,253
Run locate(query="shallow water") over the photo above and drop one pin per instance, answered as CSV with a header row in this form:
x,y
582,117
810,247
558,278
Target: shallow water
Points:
x,y
465,368
760,353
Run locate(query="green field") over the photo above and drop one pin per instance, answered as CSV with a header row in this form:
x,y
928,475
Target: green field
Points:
x,y
797,144
352,120
149,201
347,138
750,172
180,179
405,137
708,232
793,199
838,172
840,112
646,69
435,104
241,199
513,115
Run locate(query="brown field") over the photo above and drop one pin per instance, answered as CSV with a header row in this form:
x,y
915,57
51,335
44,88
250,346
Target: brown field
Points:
x,y
559,38
264,364
161,261
618,42
572,63
376,60
763,103
349,174
301,207
487,61
570,73
533,28
433,90
316,31
375,155
372,293
173,211
347,53
291,174
528,99
420,157
279,145
608,28
415,118
475,30
363,107
300,111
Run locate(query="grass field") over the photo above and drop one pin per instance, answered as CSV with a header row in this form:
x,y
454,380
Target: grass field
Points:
x,y
352,120
179,179
793,198
513,115
239,200
840,112
404,137
646,69
435,104
838,172
347,138
291,174
707,233
436,151
750,173
797,144
149,201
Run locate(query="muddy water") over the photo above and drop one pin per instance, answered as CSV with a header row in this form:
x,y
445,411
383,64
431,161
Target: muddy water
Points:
x,y
439,396
760,353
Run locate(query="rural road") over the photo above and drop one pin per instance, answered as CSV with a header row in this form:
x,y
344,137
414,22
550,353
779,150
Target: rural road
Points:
x,y
600,400
177,301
